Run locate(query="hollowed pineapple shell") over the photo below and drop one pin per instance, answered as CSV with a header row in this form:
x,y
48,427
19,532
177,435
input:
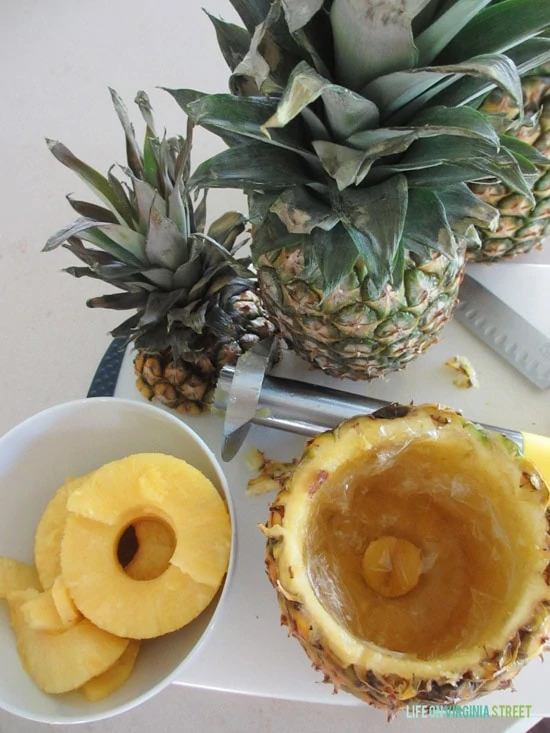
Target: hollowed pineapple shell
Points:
x,y
479,514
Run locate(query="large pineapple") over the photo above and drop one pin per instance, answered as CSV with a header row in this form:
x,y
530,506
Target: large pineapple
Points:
x,y
350,127
409,552
522,225
196,307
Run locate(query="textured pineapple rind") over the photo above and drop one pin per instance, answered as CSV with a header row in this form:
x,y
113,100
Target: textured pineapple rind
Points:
x,y
345,334
523,226
375,675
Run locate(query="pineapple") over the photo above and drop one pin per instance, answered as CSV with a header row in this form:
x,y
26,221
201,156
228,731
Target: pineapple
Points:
x,y
64,604
409,552
522,226
62,661
49,533
16,575
109,681
351,127
123,493
195,303
45,612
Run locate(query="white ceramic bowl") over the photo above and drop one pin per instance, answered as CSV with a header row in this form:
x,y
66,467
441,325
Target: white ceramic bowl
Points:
x,y
35,459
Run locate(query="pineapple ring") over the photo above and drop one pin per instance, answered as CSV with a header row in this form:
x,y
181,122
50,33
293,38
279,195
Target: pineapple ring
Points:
x,y
121,493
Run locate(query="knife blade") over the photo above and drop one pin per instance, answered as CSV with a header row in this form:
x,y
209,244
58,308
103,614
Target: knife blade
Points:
x,y
244,395
505,331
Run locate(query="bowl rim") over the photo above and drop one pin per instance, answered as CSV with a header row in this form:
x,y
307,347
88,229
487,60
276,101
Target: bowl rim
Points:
x,y
178,423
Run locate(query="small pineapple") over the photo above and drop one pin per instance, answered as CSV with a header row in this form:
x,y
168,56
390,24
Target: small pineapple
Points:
x,y
60,662
122,493
196,305
352,127
523,225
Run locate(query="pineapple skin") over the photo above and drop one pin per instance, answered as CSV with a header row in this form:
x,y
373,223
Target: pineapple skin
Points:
x,y
346,334
368,674
522,227
187,385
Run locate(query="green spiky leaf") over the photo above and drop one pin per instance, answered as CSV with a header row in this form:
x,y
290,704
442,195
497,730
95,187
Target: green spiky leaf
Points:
x,y
233,41
426,225
461,204
404,93
166,246
335,254
376,237
364,31
346,111
98,183
255,165
498,28
434,39
301,212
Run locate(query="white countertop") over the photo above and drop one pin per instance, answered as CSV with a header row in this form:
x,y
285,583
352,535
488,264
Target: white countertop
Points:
x,y
58,60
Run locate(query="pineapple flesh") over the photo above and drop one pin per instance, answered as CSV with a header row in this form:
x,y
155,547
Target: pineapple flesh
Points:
x,y
16,575
113,678
166,490
60,662
409,551
49,533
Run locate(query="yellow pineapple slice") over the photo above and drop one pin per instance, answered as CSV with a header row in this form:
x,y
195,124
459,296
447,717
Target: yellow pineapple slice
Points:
x,y
119,494
40,613
156,544
109,681
49,533
64,604
61,662
16,575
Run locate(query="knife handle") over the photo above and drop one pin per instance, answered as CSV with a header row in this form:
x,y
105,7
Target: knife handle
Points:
x,y
537,449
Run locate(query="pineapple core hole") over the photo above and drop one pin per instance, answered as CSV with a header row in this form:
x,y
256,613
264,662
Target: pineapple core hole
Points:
x,y
391,566
145,548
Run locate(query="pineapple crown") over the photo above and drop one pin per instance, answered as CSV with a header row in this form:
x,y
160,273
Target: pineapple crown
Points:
x,y
150,242
355,122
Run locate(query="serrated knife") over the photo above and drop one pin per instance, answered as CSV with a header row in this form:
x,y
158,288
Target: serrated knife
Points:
x,y
505,331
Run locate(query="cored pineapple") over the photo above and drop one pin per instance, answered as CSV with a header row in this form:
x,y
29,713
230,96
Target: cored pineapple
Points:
x,y
61,662
148,486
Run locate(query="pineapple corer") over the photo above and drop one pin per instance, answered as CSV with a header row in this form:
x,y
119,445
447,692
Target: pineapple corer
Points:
x,y
249,396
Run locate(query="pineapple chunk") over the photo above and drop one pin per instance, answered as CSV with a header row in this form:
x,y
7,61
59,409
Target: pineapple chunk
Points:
x,y
61,662
40,613
156,543
124,492
49,533
64,604
16,575
109,681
